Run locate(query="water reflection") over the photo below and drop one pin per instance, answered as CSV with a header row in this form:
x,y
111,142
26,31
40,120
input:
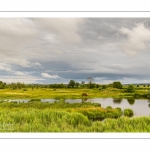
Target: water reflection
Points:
x,y
117,100
131,101
84,100
140,107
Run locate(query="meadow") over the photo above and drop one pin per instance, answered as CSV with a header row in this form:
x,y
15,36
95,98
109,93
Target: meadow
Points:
x,y
35,116
72,93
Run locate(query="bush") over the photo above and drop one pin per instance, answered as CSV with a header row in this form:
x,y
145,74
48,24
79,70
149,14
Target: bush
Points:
x,y
117,85
128,112
104,86
25,90
130,88
108,107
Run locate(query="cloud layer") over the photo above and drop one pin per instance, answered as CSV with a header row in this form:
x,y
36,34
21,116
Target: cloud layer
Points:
x,y
56,50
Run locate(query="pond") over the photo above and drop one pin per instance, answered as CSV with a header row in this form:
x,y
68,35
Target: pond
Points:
x,y
140,107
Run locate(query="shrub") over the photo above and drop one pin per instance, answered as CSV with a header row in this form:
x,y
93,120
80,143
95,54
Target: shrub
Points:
x,y
130,88
117,85
108,107
25,90
128,112
104,86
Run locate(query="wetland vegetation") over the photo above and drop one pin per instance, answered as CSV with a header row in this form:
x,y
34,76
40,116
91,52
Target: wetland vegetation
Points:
x,y
59,116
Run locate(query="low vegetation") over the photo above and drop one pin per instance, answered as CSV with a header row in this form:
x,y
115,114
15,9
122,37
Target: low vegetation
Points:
x,y
35,116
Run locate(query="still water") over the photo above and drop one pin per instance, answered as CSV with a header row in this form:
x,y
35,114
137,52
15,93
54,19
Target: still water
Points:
x,y
140,107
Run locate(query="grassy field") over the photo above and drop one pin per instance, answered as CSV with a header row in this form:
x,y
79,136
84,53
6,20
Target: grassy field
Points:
x,y
55,120
70,93
64,117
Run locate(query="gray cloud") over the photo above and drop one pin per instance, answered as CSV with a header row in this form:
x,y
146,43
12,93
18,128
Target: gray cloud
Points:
x,y
49,50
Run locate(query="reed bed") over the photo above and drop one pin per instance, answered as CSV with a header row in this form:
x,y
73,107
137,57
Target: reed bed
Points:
x,y
35,120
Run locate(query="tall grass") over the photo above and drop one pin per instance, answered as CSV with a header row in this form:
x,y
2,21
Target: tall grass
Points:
x,y
35,120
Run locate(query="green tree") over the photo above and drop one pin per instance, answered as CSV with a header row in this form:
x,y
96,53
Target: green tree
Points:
x,y
71,83
130,88
117,85
104,86
77,84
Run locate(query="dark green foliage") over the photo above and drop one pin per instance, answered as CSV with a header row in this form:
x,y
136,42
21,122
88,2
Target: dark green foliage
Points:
x,y
104,86
148,95
130,89
97,85
108,107
77,84
35,100
128,112
118,108
71,83
2,85
137,95
25,90
117,85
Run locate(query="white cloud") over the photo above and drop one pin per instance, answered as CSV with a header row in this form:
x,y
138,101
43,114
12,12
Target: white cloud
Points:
x,y
16,61
46,75
36,64
137,39
19,73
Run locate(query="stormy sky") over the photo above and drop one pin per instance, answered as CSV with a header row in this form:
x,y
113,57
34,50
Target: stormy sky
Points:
x,y
56,50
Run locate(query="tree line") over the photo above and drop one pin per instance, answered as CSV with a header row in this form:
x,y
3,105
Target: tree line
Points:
x,y
71,84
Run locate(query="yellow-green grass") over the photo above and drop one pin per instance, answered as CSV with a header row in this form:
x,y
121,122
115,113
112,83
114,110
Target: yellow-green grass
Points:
x,y
91,110
68,93
35,120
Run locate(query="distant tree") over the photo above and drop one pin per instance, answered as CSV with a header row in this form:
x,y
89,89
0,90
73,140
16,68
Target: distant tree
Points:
x,y
71,83
83,84
144,85
2,85
90,81
97,85
117,85
104,86
32,86
130,88
62,85
77,84
137,85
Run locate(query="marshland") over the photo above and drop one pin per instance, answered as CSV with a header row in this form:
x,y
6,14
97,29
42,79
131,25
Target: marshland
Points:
x,y
64,108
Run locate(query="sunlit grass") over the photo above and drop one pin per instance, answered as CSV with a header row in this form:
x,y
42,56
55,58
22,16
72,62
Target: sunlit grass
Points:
x,y
35,120
69,93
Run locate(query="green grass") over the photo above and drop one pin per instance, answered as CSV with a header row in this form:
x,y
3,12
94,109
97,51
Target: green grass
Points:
x,y
70,93
35,120
64,117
